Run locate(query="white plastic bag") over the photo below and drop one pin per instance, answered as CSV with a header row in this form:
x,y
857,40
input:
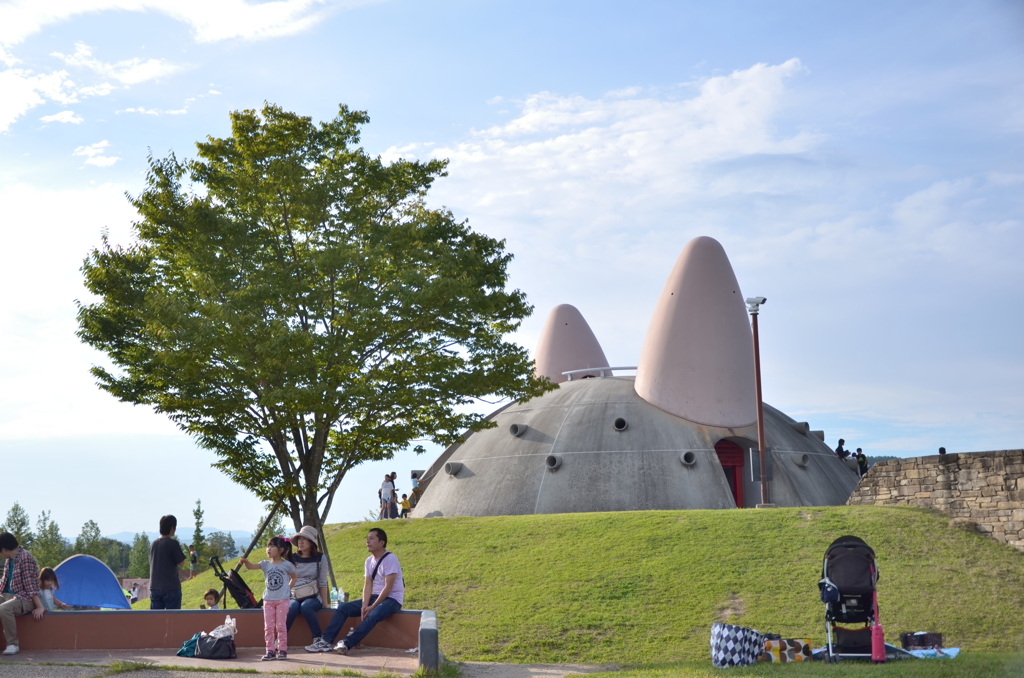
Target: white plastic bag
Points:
x,y
226,630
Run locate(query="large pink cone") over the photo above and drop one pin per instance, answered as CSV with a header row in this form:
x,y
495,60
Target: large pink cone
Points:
x,y
567,343
697,361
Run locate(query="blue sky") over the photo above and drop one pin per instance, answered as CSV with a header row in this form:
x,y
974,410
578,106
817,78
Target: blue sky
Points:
x,y
861,164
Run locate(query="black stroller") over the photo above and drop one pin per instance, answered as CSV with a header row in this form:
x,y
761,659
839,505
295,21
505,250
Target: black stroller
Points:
x,y
848,588
234,583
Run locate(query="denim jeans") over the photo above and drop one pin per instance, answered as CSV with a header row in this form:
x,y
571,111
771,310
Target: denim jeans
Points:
x,y
354,609
308,608
164,600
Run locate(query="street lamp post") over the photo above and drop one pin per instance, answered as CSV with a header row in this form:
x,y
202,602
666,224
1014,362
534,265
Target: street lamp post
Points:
x,y
754,306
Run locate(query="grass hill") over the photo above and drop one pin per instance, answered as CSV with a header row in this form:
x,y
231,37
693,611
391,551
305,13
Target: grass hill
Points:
x,y
644,587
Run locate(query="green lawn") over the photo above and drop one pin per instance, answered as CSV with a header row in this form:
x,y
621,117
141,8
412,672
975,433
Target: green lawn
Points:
x,y
971,665
644,587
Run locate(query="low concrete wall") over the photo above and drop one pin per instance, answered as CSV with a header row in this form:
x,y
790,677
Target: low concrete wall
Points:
x,y
151,629
980,490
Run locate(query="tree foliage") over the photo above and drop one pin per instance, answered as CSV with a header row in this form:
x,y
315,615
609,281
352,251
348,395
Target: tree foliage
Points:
x,y
116,554
90,542
49,546
138,561
222,545
293,304
18,524
198,540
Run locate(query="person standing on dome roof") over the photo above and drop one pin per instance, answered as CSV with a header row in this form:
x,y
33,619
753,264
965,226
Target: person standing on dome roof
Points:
x,y
840,452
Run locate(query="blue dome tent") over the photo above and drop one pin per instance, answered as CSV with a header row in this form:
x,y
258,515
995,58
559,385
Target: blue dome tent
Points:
x,y
86,581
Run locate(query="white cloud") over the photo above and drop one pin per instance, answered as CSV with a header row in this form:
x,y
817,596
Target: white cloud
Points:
x,y
102,161
23,91
140,109
210,20
884,281
63,116
95,154
128,72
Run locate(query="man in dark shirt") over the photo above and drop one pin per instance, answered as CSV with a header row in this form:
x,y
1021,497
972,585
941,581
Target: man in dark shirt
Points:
x,y
862,461
165,555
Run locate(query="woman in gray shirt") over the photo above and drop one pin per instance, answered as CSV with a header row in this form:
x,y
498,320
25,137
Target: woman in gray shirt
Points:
x,y
310,566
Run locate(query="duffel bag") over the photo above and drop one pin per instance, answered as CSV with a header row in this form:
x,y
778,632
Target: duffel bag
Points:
x,y
211,647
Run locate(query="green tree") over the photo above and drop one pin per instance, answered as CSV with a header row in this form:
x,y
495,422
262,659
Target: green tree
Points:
x,y
90,542
49,547
292,303
138,561
222,545
18,524
116,554
198,540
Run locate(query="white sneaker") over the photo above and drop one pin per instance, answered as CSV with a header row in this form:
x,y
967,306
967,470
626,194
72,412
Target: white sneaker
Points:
x,y
11,649
341,647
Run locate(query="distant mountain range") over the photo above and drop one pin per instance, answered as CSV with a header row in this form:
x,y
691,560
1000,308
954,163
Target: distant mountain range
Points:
x,y
184,534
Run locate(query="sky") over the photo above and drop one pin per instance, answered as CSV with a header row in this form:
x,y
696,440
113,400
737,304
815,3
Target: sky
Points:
x,y
862,164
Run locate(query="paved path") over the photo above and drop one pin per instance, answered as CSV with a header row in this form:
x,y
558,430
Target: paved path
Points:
x,y
92,663
369,661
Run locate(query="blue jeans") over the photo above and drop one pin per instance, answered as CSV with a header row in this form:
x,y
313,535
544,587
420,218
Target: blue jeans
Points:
x,y
354,609
308,608
164,600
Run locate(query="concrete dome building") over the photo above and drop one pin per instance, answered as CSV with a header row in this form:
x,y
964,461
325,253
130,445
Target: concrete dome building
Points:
x,y
682,434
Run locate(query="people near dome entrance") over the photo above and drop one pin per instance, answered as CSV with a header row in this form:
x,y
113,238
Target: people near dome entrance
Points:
x,y
19,589
840,452
416,491
165,555
862,461
383,595
310,592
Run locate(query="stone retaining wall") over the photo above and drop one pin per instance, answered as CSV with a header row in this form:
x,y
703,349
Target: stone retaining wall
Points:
x,y
983,491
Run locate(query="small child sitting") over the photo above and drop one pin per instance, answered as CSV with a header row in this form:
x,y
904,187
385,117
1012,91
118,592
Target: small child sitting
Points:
x,y
212,597
47,585
405,506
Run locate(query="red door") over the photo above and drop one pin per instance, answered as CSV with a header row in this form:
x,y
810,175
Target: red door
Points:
x,y
731,456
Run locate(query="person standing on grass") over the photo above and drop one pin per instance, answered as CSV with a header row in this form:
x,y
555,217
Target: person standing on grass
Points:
x,y
165,555
383,595
387,491
19,589
193,561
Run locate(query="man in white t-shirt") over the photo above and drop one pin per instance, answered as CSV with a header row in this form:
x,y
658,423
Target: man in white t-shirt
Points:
x,y
387,493
383,595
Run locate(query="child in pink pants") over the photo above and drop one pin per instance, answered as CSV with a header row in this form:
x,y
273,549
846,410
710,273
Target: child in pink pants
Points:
x,y
279,574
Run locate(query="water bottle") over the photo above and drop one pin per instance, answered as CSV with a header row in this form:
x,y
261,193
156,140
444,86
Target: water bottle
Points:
x,y
334,597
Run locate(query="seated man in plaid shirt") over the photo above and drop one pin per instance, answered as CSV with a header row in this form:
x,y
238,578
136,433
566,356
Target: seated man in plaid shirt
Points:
x,y
19,588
